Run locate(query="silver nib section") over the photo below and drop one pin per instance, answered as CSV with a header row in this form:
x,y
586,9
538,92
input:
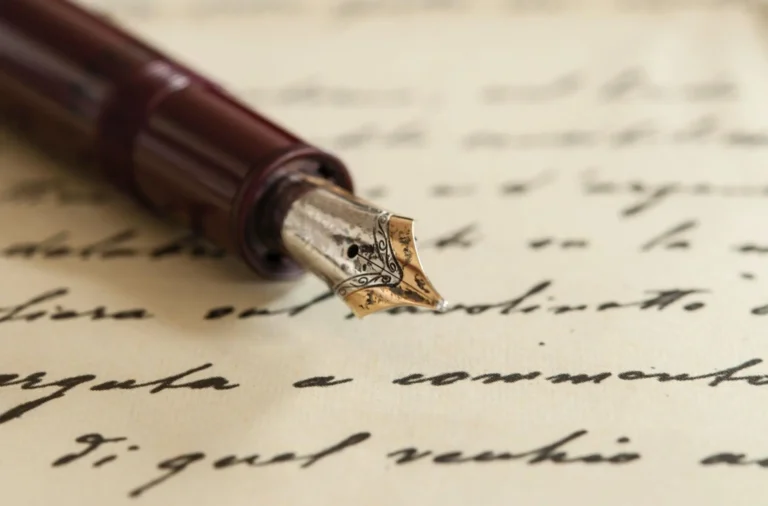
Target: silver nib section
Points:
x,y
367,256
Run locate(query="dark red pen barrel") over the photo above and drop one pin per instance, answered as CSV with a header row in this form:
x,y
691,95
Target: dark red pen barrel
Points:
x,y
176,141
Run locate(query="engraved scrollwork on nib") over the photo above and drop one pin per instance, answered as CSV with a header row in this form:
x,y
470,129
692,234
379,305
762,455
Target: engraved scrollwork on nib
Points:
x,y
395,276
380,266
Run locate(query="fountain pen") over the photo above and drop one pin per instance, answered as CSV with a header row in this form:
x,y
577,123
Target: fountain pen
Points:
x,y
92,93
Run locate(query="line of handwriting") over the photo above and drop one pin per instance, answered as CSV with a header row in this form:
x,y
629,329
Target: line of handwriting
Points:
x,y
540,298
580,447
51,306
712,379
53,389
699,132
624,85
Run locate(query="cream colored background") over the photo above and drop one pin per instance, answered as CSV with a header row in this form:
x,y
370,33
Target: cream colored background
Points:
x,y
445,57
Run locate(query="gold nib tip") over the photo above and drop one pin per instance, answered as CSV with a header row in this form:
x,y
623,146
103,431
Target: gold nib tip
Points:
x,y
404,281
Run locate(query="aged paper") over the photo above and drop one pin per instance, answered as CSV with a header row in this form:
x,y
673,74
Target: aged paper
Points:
x,y
589,185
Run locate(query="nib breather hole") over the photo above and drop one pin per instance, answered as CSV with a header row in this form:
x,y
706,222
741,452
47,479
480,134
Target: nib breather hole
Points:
x,y
353,250
274,257
325,172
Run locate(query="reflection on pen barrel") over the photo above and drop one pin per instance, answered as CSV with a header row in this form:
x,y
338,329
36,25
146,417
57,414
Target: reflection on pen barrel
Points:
x,y
177,142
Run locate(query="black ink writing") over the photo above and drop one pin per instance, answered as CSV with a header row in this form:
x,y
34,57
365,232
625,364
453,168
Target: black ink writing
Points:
x,y
734,459
120,245
59,388
671,238
652,194
93,442
530,302
46,307
552,453
729,375
174,466
321,381
549,242
464,237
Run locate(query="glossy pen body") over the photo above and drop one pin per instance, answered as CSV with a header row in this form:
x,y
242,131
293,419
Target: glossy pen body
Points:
x,y
88,90
173,139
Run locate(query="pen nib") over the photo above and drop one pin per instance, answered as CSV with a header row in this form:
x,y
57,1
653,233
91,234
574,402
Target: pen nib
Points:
x,y
366,255
392,274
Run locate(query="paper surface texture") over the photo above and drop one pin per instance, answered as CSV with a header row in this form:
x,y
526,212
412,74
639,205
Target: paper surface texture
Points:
x,y
589,185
